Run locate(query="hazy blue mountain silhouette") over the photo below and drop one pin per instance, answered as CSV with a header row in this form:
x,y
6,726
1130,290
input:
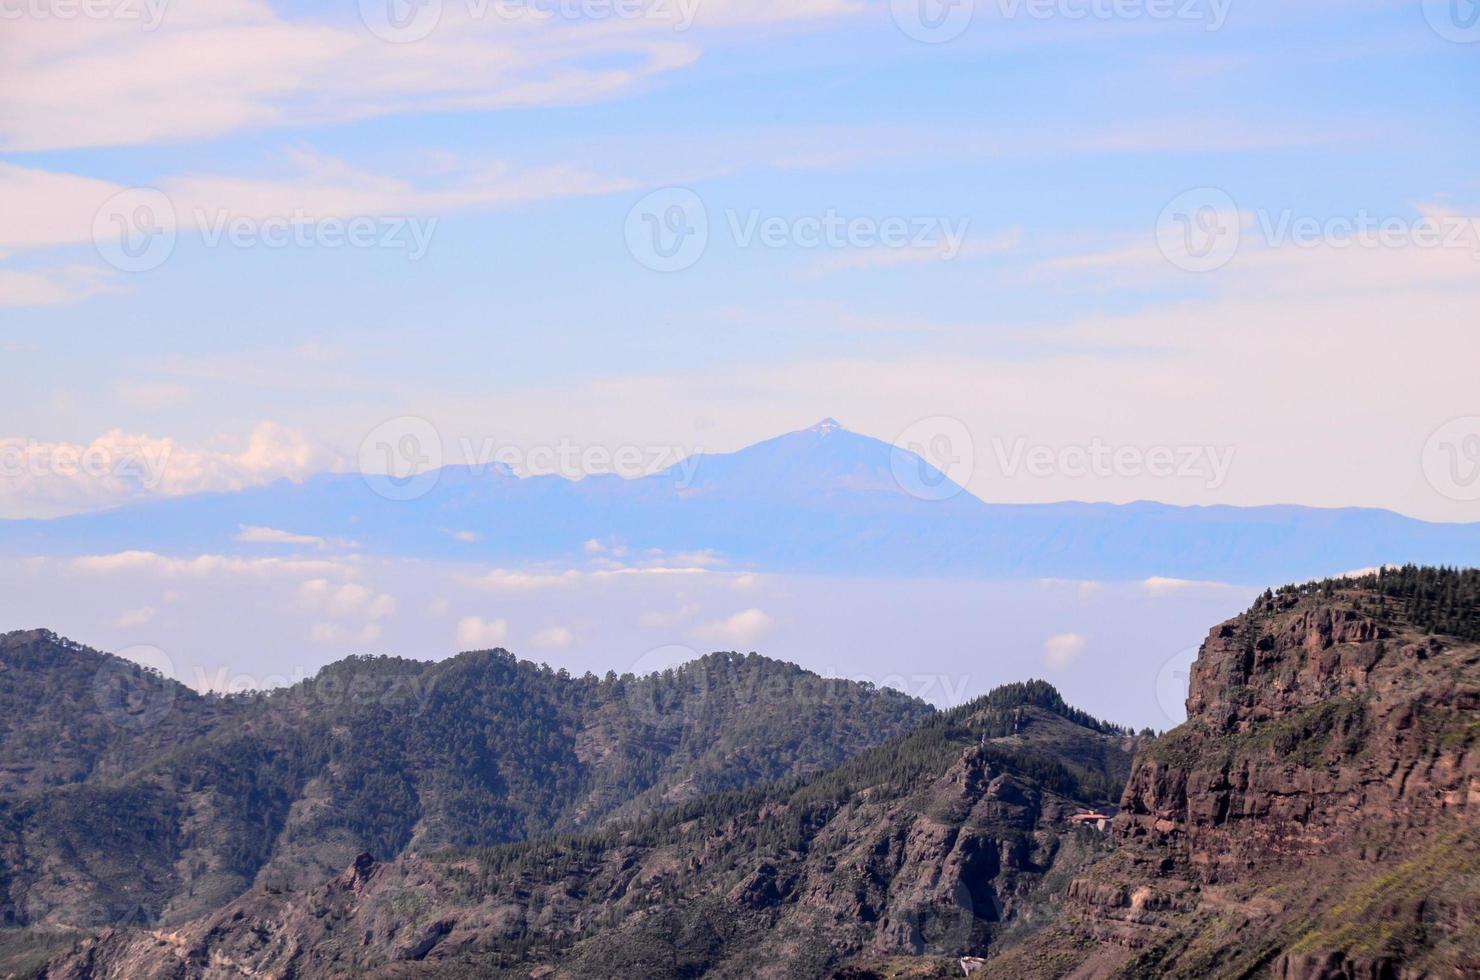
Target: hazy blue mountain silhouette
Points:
x,y
821,500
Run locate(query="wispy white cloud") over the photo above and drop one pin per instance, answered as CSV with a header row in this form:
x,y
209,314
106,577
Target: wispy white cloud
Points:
x,y
944,250
136,617
1062,649
53,209
60,285
162,566
47,479
44,208
337,633
508,580
348,600
475,632
659,570
272,535
152,394
742,628
1158,585
553,638
212,67
536,579
657,619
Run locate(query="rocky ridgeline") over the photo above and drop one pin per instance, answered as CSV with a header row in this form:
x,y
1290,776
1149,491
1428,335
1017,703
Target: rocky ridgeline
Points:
x,y
924,850
1313,820
1327,777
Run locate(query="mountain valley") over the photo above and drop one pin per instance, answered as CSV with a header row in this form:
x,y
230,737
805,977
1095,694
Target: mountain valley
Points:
x,y
1312,820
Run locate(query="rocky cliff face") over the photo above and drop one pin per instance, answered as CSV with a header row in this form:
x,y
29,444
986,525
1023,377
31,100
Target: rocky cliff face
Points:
x,y
1314,818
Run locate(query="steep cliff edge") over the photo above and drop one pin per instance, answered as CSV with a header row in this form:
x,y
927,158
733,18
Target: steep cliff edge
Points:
x,y
1315,818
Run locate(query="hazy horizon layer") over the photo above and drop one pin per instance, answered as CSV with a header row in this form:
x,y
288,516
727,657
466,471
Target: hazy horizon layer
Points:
x,y
1117,649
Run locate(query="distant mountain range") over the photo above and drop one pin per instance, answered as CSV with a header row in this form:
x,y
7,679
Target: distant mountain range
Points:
x,y
821,500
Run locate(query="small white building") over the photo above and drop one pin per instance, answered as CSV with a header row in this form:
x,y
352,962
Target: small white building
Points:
x,y
1100,821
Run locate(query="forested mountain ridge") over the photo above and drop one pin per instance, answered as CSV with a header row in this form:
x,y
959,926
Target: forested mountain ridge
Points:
x,y
942,840
1312,820
125,796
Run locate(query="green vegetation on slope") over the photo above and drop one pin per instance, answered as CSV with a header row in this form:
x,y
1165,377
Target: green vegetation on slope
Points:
x,y
136,793
1435,600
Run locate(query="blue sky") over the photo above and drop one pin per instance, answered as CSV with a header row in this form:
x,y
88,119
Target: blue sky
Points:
x,y
1055,143
1255,244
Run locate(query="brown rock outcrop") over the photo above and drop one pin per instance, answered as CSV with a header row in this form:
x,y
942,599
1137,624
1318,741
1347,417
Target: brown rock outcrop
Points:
x,y
1330,746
